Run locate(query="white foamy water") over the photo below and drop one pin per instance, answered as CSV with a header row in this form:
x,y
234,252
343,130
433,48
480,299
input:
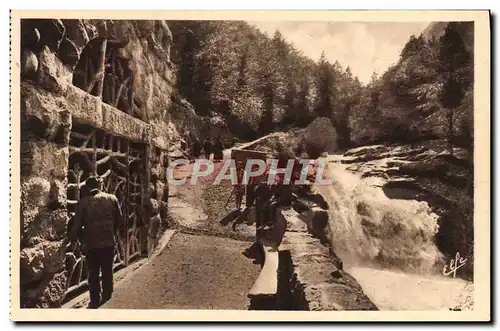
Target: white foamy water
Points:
x,y
392,290
368,227
388,244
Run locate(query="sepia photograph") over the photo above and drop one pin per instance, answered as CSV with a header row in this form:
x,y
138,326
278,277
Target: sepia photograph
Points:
x,y
231,165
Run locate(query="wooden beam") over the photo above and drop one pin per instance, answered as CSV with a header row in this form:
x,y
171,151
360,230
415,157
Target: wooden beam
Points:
x,y
107,93
113,63
98,151
94,151
146,181
127,199
112,88
102,142
102,68
110,52
86,142
130,94
120,91
79,135
119,164
74,185
85,71
110,145
120,75
125,102
73,150
91,75
106,174
103,160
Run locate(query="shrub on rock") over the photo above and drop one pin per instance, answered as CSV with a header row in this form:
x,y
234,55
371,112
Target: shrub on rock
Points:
x,y
320,136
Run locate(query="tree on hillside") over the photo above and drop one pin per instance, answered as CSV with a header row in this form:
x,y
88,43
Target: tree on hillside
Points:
x,y
349,94
407,102
325,82
414,80
303,113
256,83
270,84
242,81
195,75
365,114
413,46
454,65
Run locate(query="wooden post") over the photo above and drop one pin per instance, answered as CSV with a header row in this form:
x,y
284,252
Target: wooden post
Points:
x,y
78,176
110,145
102,68
450,130
126,212
94,153
146,214
107,93
90,75
119,66
130,95
123,86
112,88
85,72
113,75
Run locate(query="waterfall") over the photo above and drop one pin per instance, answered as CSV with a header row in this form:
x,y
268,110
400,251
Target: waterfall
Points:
x,y
366,227
388,244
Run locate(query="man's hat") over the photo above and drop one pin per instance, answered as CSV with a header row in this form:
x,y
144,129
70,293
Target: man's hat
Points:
x,y
93,181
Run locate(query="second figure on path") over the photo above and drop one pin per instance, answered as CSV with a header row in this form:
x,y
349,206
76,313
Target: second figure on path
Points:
x,y
207,147
218,150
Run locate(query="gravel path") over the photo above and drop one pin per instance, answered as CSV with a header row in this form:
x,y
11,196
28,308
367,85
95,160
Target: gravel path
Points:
x,y
192,272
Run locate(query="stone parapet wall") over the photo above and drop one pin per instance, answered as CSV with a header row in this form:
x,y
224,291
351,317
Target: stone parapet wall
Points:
x,y
317,280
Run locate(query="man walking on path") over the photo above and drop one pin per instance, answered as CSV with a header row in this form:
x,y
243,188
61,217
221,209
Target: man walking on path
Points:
x,y
218,150
196,148
97,219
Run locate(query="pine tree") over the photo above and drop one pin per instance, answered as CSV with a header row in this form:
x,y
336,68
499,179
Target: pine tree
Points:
x,y
413,46
242,81
453,66
349,95
324,85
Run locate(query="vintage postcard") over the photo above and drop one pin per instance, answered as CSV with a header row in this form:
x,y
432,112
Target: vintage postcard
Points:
x,y
250,166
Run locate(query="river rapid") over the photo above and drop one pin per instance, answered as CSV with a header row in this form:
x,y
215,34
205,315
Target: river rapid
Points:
x,y
388,245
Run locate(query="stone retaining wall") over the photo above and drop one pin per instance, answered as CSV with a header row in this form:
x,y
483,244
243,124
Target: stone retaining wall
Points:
x,y
51,106
317,280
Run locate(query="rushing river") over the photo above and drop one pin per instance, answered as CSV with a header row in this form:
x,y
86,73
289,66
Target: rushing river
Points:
x,y
388,245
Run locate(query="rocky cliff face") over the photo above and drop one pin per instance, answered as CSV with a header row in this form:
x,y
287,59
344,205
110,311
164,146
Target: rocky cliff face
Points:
x,y
52,106
183,119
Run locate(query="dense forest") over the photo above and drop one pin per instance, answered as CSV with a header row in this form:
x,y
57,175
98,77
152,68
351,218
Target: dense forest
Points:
x,y
259,84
